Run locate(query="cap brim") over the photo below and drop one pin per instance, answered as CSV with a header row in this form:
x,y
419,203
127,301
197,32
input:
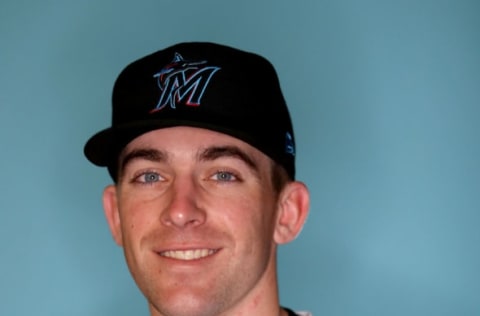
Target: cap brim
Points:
x,y
104,147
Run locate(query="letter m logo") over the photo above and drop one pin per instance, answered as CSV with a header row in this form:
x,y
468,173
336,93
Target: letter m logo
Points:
x,y
183,82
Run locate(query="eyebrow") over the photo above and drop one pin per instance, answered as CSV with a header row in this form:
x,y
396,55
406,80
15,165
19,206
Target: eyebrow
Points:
x,y
149,154
207,154
215,152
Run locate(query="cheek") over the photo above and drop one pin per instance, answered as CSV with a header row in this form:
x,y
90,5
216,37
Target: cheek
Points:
x,y
136,217
251,218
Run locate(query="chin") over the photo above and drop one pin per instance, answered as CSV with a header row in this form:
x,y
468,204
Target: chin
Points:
x,y
186,305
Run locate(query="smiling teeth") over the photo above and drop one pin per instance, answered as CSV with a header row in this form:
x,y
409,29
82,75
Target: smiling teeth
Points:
x,y
188,254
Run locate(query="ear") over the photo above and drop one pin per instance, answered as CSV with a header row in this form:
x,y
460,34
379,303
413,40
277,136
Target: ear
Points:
x,y
294,203
110,207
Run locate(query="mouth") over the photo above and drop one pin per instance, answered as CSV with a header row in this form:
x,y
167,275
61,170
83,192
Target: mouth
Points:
x,y
187,255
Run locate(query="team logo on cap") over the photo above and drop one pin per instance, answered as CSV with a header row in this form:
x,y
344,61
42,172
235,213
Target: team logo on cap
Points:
x,y
289,145
183,82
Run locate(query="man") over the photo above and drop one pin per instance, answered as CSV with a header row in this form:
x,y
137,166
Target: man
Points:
x,y
202,154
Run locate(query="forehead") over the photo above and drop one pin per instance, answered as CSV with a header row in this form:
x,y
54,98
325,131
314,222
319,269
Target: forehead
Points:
x,y
184,139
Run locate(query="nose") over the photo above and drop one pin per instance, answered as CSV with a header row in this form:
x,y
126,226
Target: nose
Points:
x,y
183,209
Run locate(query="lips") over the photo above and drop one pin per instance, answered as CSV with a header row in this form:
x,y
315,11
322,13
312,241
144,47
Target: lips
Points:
x,y
190,254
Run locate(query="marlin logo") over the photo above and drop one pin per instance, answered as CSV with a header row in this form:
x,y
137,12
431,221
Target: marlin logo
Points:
x,y
183,82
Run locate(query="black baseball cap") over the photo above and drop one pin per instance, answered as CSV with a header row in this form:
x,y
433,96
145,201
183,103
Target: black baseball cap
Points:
x,y
198,84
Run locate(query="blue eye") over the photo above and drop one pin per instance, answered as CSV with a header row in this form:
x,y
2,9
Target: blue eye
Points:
x,y
225,176
149,177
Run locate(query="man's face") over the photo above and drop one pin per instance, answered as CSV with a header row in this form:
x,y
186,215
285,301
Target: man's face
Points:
x,y
196,214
